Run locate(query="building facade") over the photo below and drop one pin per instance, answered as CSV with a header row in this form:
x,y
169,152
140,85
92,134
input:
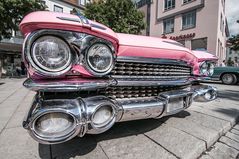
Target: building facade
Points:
x,y
10,49
197,24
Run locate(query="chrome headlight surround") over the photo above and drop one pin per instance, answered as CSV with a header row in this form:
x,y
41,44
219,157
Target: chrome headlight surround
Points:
x,y
74,109
31,43
58,54
99,53
207,68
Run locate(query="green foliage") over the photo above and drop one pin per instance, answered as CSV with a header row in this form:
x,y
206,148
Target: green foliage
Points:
x,y
234,42
230,62
119,15
12,12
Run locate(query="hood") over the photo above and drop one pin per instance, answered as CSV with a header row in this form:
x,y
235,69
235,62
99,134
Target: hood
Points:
x,y
53,20
152,47
204,56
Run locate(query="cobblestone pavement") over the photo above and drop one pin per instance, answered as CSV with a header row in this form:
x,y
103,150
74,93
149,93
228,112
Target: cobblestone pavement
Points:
x,y
204,130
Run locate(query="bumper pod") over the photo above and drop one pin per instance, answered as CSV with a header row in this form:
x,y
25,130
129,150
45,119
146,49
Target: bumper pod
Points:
x,y
59,120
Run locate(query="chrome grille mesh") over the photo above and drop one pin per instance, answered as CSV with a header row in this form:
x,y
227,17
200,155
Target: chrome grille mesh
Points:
x,y
135,92
148,70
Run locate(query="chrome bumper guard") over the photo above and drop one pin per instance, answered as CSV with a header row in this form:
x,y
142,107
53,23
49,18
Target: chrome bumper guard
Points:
x,y
83,112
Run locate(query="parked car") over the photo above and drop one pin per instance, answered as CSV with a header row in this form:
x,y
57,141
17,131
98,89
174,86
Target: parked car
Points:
x,y
88,77
228,75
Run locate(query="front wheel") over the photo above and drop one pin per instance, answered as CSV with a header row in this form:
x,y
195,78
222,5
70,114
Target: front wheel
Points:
x,y
229,79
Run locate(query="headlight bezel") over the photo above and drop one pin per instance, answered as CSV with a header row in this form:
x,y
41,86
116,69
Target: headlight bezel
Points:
x,y
43,68
89,66
209,70
27,56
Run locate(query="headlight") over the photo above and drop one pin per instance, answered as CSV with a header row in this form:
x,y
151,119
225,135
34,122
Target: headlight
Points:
x,y
204,68
51,54
54,125
207,68
102,116
99,58
211,69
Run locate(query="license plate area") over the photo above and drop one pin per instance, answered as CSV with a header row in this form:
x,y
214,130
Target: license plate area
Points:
x,y
175,105
177,101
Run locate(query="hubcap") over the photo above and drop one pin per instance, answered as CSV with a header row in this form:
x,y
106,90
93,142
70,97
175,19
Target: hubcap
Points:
x,y
227,78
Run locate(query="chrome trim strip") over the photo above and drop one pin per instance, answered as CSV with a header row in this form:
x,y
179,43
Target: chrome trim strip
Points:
x,y
92,84
151,60
66,86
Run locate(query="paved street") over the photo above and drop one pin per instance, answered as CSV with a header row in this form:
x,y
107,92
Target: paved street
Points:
x,y
205,130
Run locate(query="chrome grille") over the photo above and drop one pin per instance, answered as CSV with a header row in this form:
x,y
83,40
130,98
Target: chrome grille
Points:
x,y
135,92
115,92
147,70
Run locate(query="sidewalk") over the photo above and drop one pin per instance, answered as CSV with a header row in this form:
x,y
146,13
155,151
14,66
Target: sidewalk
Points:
x,y
186,135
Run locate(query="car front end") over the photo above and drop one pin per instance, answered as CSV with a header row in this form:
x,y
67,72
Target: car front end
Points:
x,y
87,78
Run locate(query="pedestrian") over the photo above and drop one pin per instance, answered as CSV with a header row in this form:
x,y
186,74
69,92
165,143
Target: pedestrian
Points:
x,y
223,64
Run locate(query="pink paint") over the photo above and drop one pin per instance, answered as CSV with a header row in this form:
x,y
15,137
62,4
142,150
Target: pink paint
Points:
x,y
125,44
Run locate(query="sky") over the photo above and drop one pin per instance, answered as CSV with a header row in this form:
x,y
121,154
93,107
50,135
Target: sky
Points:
x,y
232,12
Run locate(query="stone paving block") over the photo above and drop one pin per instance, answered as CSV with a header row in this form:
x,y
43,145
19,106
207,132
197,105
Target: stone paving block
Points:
x,y
5,115
15,143
206,157
229,142
236,127
208,135
177,142
221,126
134,147
85,147
232,136
224,114
235,131
16,120
222,151
96,153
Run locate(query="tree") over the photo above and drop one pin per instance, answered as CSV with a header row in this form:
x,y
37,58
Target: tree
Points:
x,y
12,12
234,42
121,16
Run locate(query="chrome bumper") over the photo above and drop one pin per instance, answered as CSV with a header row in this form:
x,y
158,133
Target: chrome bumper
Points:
x,y
72,85
82,111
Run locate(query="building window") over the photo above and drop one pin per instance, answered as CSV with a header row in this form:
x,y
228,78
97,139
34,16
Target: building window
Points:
x,y
189,20
222,24
58,9
199,44
169,4
187,1
82,2
168,26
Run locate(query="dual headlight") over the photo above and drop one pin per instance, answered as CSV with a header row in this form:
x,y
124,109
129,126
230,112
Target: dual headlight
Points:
x,y
51,55
207,68
99,58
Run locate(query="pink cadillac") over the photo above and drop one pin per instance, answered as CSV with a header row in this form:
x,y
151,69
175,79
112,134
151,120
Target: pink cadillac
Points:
x,y
88,77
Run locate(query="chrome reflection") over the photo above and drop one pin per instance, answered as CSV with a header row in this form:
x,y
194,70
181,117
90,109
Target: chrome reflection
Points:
x,y
204,93
51,121
106,120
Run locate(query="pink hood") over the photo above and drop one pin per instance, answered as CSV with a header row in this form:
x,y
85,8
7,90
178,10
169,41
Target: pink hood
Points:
x,y
204,56
125,44
53,20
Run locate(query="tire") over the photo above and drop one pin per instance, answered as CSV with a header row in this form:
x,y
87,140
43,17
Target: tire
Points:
x,y
229,79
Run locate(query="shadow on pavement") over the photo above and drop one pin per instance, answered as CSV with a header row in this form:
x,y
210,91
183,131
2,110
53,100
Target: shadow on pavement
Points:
x,y
232,112
229,94
82,146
